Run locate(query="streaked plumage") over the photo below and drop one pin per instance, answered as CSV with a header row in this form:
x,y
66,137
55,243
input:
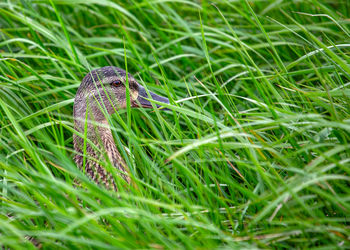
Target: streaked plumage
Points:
x,y
101,92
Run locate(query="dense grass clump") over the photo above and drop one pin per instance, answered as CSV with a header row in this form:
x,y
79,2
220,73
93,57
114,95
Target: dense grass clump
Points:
x,y
254,154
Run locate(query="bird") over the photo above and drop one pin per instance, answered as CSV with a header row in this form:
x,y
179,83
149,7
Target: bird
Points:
x,y
101,93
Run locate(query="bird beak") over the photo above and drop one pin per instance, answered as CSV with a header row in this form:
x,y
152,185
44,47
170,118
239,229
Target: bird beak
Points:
x,y
142,102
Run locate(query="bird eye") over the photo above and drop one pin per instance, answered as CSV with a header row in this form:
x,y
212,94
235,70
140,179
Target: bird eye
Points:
x,y
116,83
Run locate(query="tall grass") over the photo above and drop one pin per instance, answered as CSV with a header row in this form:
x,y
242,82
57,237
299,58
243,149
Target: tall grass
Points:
x,y
254,154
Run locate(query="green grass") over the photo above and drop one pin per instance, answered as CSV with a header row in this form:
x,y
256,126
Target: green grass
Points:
x,y
254,154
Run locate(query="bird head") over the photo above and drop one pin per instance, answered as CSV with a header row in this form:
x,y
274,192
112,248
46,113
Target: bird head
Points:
x,y
104,90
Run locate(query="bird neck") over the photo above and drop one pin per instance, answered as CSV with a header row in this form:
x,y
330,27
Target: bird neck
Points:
x,y
100,135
